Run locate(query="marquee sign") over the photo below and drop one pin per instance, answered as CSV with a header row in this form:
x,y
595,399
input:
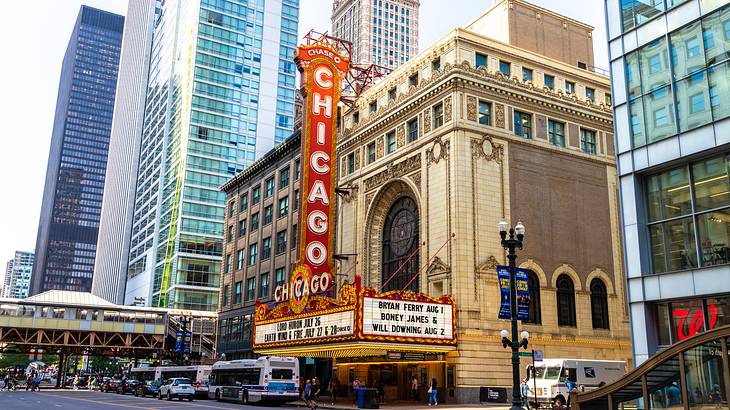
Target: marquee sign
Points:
x,y
323,70
358,315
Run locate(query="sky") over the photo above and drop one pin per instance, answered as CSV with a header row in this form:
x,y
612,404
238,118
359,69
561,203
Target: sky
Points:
x,y
33,51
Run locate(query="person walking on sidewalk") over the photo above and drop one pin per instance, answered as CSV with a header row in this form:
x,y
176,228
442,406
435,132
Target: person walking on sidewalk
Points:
x,y
308,393
333,389
414,388
355,386
432,391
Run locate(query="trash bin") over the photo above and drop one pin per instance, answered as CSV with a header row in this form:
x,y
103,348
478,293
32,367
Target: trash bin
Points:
x,y
372,400
361,397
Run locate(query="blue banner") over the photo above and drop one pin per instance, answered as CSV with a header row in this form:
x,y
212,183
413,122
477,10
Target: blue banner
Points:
x,y
503,278
522,293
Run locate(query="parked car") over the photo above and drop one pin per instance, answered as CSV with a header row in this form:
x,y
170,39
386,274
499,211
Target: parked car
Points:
x,y
148,388
201,389
177,387
127,387
110,385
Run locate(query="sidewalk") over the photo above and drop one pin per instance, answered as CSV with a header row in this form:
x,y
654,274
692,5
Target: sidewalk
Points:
x,y
324,403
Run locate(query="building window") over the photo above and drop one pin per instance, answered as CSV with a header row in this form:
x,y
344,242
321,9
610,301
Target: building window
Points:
x,y
269,187
556,133
229,263
294,232
284,178
239,262
356,118
350,163
254,222
297,169
599,304
392,94
226,291
566,301
436,64
283,206
526,74
533,284
505,68
243,202
250,288
374,106
279,276
268,214
256,195
607,99
229,233
413,130
413,80
252,252
438,115
480,60
689,211
295,206
400,245
588,141
590,94
390,142
264,285
549,81
266,248
280,242
570,87
232,209
523,124
237,293
241,228
485,113
371,152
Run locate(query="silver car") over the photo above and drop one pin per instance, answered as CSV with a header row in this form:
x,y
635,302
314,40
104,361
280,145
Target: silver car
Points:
x,y
178,387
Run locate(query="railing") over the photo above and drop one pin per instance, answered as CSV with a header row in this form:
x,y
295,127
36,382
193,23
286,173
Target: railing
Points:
x,y
691,374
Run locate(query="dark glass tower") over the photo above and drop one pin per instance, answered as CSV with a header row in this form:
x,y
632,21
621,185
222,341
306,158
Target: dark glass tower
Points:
x,y
69,221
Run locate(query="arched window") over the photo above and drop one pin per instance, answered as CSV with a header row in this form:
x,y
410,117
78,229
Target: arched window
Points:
x,y
566,301
599,304
400,256
533,283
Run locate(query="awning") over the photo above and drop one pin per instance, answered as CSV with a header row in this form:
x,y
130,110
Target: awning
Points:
x,y
352,349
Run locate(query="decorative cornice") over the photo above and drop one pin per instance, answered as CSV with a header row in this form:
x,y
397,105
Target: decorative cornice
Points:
x,y
437,266
396,170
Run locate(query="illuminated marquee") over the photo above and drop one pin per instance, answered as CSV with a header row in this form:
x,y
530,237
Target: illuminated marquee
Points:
x,y
323,70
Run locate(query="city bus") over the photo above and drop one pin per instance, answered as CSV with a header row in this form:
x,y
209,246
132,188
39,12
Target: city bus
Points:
x,y
268,378
143,374
198,375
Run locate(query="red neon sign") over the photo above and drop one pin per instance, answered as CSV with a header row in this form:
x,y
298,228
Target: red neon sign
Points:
x,y
322,70
693,321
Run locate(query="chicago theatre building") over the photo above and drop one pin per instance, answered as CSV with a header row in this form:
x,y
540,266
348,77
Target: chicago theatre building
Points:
x,y
505,118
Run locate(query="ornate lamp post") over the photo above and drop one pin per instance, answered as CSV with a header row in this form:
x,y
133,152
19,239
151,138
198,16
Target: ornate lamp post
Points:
x,y
514,241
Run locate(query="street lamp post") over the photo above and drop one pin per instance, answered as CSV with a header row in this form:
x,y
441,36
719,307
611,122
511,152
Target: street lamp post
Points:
x,y
514,241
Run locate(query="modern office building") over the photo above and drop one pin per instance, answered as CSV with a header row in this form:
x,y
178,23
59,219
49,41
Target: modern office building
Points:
x,y
19,281
220,93
6,279
69,220
115,226
260,241
382,32
670,71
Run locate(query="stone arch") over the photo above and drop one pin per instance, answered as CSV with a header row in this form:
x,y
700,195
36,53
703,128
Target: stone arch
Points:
x,y
533,266
598,273
378,209
567,269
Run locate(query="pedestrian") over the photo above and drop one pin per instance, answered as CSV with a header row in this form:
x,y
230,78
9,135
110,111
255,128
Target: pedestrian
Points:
x,y
37,382
308,393
525,393
333,389
381,392
28,382
716,396
355,387
432,391
316,388
76,382
414,388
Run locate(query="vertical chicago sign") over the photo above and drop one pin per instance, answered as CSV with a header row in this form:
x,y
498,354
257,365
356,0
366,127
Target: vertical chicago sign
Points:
x,y
323,70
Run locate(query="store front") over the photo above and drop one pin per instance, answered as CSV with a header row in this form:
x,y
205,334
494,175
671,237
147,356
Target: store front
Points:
x,y
383,340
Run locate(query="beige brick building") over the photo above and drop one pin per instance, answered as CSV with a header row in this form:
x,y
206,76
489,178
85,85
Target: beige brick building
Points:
x,y
470,131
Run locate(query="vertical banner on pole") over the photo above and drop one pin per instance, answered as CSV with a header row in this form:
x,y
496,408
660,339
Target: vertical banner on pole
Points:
x,y
523,295
503,278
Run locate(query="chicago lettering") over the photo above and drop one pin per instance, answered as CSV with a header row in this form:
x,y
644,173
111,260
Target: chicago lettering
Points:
x,y
316,284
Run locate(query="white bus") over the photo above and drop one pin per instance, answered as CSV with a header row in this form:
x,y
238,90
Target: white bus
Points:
x,y
268,378
548,380
143,374
198,376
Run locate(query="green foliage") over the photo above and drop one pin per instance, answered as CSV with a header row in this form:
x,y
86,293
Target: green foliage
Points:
x,y
13,359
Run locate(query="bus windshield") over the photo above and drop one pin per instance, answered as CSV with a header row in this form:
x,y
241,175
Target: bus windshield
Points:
x,y
281,374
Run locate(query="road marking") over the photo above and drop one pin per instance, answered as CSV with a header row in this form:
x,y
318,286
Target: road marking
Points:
x,y
109,403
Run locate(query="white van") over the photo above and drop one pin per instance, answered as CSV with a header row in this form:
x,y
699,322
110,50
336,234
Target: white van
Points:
x,y
548,379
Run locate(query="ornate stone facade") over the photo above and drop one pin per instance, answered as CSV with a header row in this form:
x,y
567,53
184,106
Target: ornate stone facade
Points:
x,y
465,176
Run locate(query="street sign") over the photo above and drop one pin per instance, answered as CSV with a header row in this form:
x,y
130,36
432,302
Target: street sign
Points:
x,y
525,354
537,355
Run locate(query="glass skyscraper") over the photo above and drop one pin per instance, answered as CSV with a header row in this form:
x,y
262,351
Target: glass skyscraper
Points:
x,y
69,221
220,93
670,71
